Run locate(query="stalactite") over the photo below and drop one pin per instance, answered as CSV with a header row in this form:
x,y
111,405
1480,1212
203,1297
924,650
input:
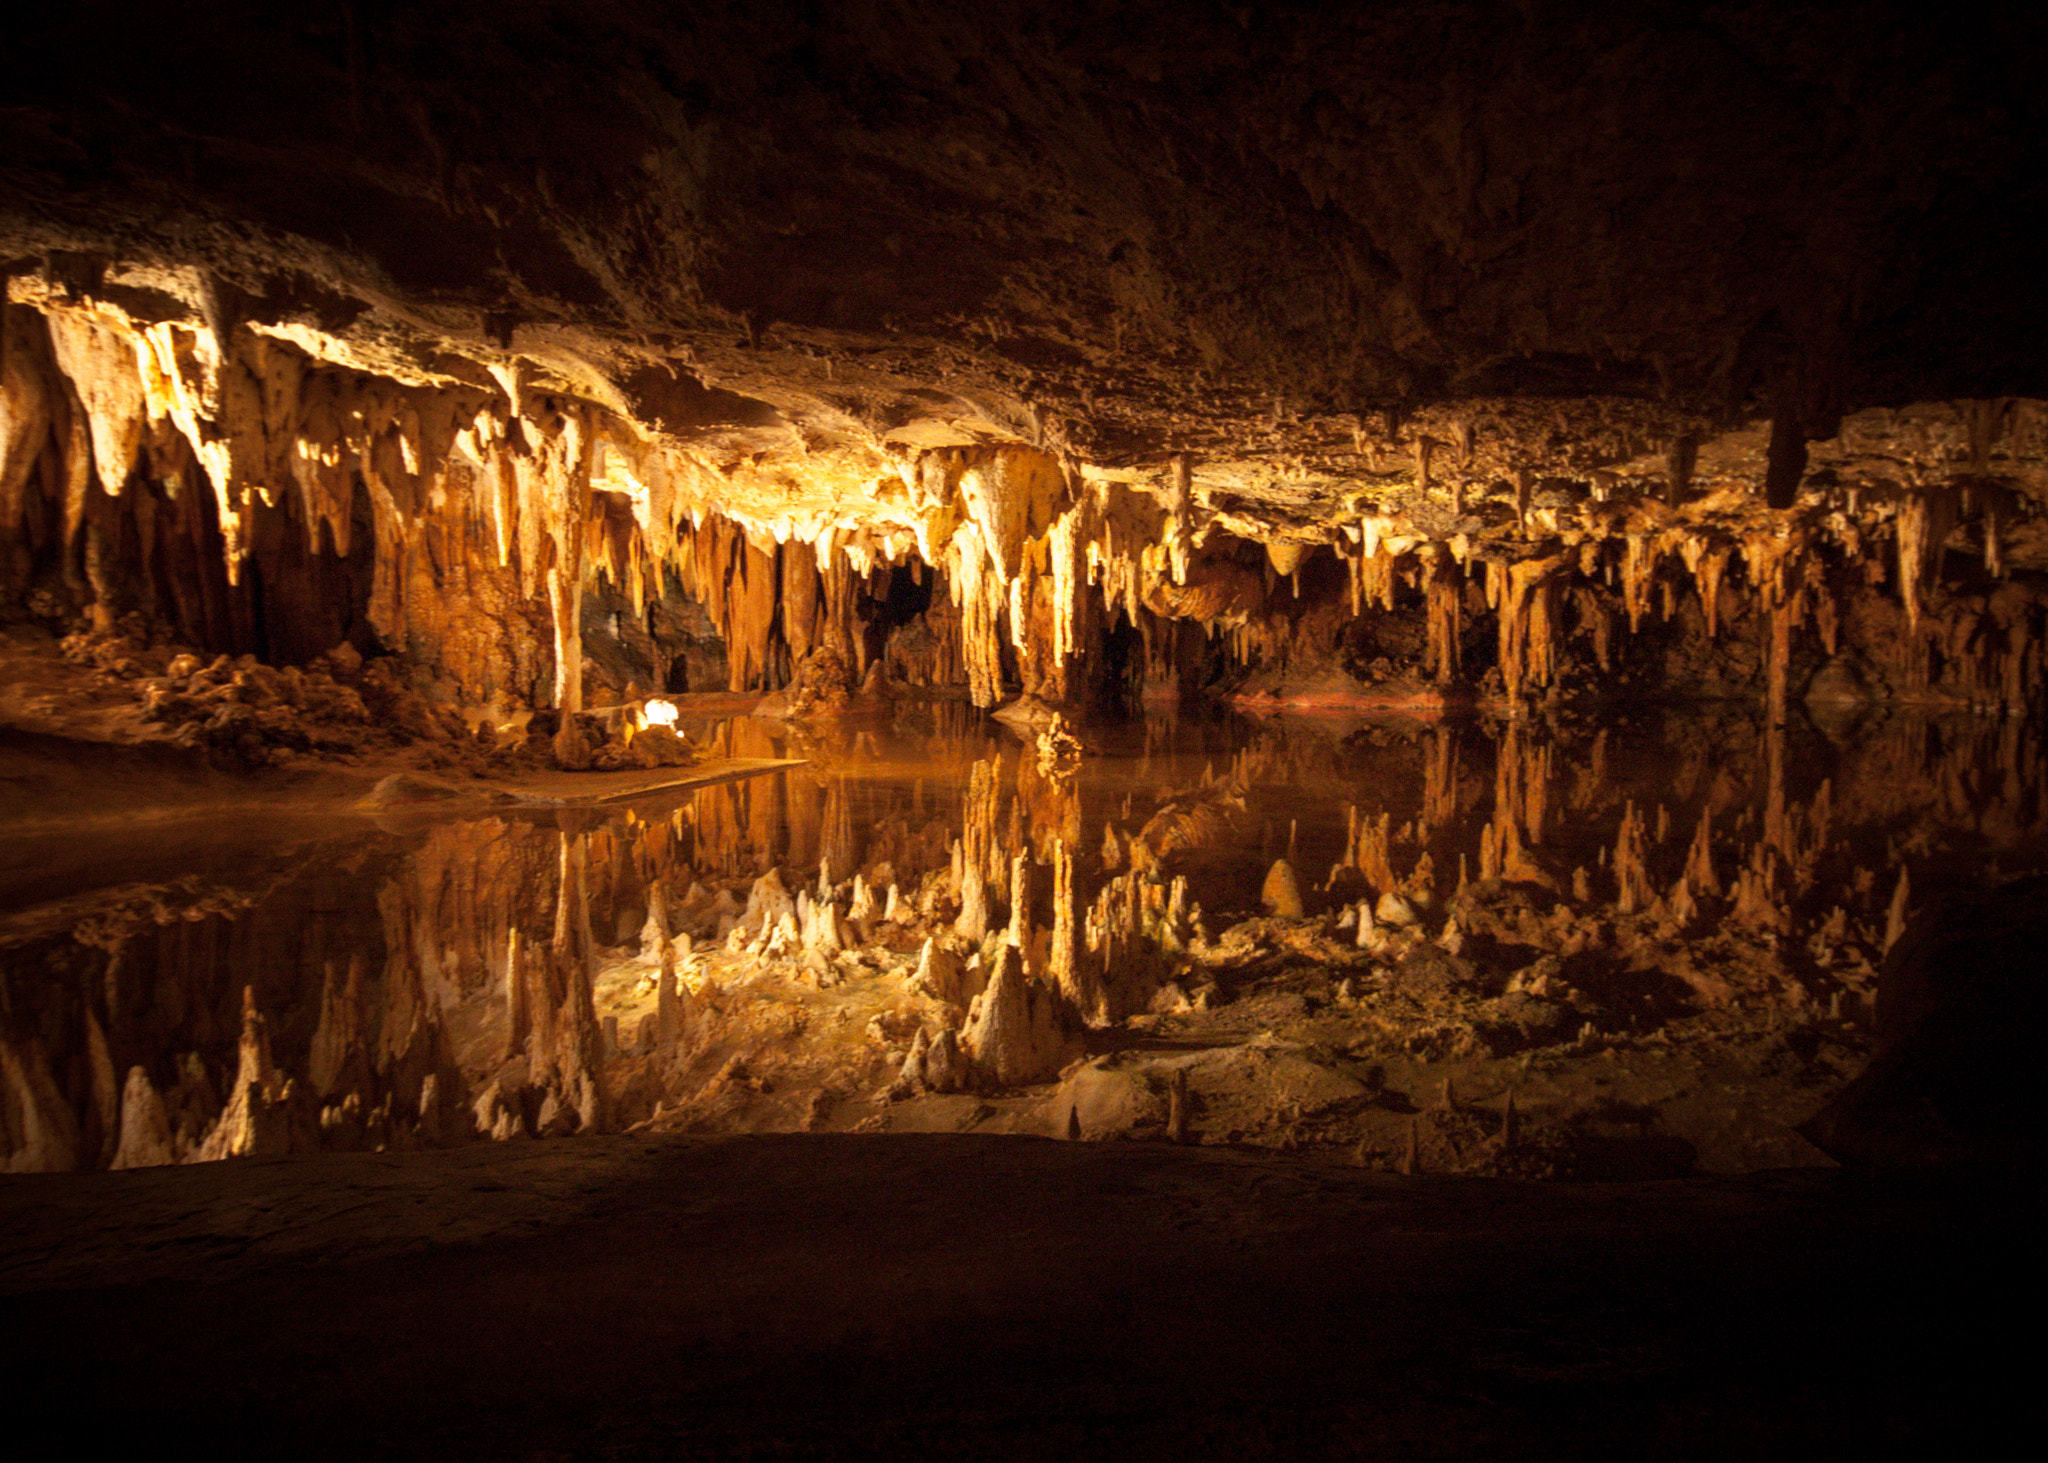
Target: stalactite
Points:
x,y
1639,569
1445,617
1527,620
1777,566
1440,784
1067,548
1925,518
1708,562
1522,783
104,372
980,594
108,421
978,850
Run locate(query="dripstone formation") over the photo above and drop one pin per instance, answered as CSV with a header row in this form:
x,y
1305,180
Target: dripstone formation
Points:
x,y
489,382
1453,350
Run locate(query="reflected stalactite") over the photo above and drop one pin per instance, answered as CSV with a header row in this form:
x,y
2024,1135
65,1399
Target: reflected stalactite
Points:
x,y
1441,794
548,972
264,1106
980,866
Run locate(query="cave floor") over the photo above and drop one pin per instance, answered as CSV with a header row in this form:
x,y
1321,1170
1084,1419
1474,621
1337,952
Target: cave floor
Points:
x,y
827,1296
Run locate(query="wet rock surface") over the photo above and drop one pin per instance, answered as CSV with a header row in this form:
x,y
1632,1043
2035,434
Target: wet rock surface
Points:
x,y
1594,445
828,1296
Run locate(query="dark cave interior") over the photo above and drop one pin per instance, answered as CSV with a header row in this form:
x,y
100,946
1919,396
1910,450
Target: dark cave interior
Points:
x,y
1131,716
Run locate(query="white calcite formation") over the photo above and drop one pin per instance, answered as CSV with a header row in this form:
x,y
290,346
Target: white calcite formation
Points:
x,y
1017,1031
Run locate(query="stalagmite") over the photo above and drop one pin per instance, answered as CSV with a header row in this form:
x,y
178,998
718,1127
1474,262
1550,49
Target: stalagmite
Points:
x,y
1631,872
655,933
819,931
945,1065
1281,894
944,976
1394,909
258,1120
1016,1031
768,902
1897,911
1019,933
44,1136
673,1005
1371,851
145,1127
913,1072
1699,860
973,922
860,909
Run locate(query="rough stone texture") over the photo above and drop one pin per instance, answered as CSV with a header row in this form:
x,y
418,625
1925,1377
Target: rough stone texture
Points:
x,y
1017,1030
501,335
1257,266
1392,203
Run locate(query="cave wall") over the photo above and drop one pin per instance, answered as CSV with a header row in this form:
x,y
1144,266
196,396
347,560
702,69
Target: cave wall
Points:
x,y
251,497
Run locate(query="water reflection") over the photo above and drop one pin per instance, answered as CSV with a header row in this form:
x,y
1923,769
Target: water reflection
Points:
x,y
1469,897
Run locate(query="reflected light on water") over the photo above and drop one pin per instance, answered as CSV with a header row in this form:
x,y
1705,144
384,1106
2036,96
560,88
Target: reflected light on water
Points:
x,y
1658,936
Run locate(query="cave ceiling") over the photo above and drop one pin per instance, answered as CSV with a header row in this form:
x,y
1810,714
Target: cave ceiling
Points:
x,y
1273,239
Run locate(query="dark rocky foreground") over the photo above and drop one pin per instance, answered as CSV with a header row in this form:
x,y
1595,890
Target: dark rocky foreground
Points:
x,y
835,1296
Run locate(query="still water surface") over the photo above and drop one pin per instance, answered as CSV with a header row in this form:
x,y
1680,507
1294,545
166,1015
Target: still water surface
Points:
x,y
406,977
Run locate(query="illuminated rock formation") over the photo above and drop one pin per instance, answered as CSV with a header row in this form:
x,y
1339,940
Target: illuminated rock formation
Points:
x,y
490,515
1017,1031
1240,410
453,386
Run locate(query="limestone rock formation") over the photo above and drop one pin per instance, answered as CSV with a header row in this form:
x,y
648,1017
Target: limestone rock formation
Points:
x,y
1301,378
446,389
145,1127
1281,894
1017,1031
261,1115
